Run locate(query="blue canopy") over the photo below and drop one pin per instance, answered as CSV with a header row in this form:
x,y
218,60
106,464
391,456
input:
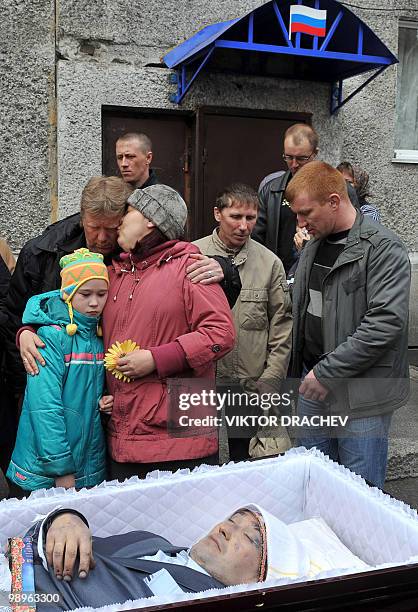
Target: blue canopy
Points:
x,y
259,43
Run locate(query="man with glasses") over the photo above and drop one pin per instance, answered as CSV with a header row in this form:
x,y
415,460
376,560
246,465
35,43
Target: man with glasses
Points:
x,y
276,223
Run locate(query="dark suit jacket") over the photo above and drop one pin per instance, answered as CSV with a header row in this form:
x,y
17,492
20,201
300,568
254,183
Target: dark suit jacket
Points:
x,y
118,574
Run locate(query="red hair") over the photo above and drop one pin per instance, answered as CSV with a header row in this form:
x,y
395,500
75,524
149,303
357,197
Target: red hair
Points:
x,y
318,180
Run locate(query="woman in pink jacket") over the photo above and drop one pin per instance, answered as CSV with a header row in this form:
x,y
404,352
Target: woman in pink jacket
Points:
x,y
182,328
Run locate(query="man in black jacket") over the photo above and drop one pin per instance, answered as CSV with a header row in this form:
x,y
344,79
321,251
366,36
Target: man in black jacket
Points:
x,y
250,545
276,223
37,269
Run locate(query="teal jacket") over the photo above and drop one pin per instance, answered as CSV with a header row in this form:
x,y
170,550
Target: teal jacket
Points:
x,y
60,431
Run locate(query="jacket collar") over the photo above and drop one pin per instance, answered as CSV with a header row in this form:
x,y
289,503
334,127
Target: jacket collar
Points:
x,y
353,249
66,235
361,230
159,255
186,577
151,180
239,256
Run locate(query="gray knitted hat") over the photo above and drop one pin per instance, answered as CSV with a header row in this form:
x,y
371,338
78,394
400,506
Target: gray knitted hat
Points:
x,y
163,206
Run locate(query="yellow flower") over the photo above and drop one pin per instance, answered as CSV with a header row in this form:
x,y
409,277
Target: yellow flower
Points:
x,y
116,351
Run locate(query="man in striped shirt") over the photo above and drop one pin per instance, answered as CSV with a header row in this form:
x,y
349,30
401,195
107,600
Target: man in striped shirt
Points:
x,y
350,313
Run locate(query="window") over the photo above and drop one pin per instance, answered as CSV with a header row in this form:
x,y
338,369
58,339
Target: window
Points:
x,y
406,131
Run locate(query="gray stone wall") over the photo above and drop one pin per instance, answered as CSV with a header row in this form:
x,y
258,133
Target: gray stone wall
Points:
x,y
83,88
27,119
106,49
368,127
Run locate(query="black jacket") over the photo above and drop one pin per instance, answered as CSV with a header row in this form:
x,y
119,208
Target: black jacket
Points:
x,y
8,405
37,270
271,195
4,287
151,180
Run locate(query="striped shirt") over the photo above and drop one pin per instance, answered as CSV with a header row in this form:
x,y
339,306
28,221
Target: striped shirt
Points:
x,y
325,258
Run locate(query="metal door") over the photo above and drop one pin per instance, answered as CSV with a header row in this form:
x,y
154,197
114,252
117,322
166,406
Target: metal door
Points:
x,y
171,135
236,145
200,154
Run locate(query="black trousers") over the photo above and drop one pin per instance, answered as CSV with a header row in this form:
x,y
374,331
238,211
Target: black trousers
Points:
x,y
121,471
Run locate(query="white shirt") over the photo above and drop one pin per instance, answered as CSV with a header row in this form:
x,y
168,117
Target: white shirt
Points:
x,y
162,582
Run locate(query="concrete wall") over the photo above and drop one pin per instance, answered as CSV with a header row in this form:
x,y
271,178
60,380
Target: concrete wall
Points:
x,y
27,119
107,53
368,128
79,127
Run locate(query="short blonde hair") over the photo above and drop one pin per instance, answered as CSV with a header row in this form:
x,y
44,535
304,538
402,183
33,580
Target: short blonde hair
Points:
x,y
105,196
318,180
143,141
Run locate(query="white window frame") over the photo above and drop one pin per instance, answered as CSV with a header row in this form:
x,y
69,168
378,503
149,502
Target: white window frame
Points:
x,y
406,156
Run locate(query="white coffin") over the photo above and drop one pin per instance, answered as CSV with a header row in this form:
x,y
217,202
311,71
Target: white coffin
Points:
x,y
183,506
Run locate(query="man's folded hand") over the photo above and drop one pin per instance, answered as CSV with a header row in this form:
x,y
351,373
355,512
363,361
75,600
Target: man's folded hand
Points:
x,y
67,538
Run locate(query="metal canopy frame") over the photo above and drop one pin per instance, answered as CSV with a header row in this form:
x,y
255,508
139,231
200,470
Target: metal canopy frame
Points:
x,y
192,56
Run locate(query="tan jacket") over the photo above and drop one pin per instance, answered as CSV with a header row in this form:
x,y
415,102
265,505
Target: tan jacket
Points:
x,y
262,314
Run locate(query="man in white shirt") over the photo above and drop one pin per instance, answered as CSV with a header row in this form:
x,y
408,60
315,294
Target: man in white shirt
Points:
x,y
249,546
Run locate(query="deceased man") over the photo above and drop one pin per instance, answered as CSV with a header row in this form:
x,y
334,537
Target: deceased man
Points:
x,y
249,546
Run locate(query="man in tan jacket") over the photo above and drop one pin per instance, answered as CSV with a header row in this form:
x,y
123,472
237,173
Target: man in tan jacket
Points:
x,y
262,312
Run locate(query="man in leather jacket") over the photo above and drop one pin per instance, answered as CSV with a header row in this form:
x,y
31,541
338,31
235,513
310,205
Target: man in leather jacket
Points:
x,y
276,223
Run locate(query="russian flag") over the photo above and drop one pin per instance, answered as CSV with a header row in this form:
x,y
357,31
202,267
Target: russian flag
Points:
x,y
307,20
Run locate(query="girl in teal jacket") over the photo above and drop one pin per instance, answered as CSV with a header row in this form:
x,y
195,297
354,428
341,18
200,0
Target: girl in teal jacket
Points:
x,y
60,440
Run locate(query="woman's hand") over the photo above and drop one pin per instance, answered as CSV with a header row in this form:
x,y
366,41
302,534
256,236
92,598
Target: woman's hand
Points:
x,y
29,343
204,270
137,364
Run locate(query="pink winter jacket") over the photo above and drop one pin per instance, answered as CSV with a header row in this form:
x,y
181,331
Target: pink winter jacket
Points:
x,y
153,303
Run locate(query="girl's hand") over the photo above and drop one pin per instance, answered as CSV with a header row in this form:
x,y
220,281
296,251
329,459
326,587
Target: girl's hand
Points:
x,y
106,404
67,481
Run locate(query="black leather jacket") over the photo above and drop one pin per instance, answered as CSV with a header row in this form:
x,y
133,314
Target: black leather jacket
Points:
x,y
266,230
37,270
270,195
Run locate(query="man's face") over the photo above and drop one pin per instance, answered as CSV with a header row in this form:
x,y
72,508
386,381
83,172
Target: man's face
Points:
x,y
297,156
236,223
133,163
318,218
101,233
231,552
134,227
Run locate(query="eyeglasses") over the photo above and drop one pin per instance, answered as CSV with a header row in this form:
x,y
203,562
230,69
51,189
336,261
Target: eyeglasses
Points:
x,y
299,158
